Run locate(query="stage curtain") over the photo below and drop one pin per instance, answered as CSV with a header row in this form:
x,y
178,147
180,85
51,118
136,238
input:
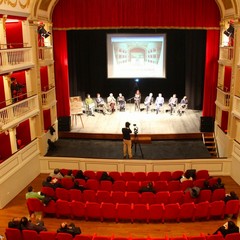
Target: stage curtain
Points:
x,y
211,72
61,73
23,133
135,13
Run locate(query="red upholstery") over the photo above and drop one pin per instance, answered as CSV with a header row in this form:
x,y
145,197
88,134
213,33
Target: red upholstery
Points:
x,y
64,171
64,236
173,185
172,212
162,197
115,175
83,237
147,197
48,191
132,186
108,211
67,183
205,195
217,209
90,174
92,184
29,234
47,235
199,182
127,176
103,196
101,238
156,212
202,211
13,234
63,208
160,186
118,197
165,176
187,198
50,209
186,184
176,197
176,175
119,185
187,211
92,211
232,236
62,193
202,174
76,195
140,176
140,212
34,205
153,176
215,237
232,208
77,209
218,194
132,197
124,211
89,196
98,175
106,185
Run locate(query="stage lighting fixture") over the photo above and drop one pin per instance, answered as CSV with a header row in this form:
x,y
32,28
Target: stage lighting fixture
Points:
x,y
230,31
43,32
52,130
136,80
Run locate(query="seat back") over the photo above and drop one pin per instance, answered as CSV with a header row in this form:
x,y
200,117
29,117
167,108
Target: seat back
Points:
x,y
13,234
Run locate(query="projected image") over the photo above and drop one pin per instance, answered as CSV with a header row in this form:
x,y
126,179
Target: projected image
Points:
x,y
136,56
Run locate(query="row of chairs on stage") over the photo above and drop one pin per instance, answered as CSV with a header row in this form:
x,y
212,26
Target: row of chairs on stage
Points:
x,y
136,212
135,197
134,186
15,234
139,176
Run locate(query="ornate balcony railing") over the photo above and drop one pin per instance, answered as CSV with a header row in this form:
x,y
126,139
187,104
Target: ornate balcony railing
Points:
x,y
45,53
223,99
48,97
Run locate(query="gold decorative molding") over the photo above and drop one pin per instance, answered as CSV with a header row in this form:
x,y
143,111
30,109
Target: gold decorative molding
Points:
x,y
13,3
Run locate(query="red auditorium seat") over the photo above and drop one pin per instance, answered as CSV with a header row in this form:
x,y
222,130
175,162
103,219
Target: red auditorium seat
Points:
x,y
63,194
217,209
176,197
165,176
140,176
98,175
67,183
202,210
171,212
50,209
174,185
30,234
64,236
214,237
103,196
77,209
89,196
140,212
199,183
205,195
92,211
101,238
156,212
187,211
178,238
64,171
176,175
162,197
232,236
48,191
202,174
147,197
44,235
127,176
92,184
81,182
34,205
132,197
76,195
83,237
118,197
124,211
115,175
132,186
119,185
90,174
186,184
218,194
13,234
160,186
63,208
232,208
212,181
120,238
196,238
153,176
105,185
108,211
187,198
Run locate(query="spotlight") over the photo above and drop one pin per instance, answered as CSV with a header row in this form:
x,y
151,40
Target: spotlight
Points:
x,y
43,32
230,31
136,80
52,130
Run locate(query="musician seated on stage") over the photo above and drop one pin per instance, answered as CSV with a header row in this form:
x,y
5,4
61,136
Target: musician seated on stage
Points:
x,y
137,100
173,101
159,102
121,102
183,105
148,101
111,101
90,105
101,103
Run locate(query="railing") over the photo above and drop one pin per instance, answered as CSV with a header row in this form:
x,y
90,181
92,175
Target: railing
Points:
x,y
45,53
18,111
223,97
226,53
15,56
48,97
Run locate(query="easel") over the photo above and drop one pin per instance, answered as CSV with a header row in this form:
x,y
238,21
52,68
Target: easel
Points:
x,y
76,110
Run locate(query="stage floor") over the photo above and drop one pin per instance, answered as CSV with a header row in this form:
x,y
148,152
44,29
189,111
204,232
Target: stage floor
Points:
x,y
147,123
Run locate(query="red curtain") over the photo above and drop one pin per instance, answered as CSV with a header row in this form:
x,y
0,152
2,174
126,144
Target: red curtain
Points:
x,y
2,94
227,78
61,73
23,134
95,14
211,72
14,34
5,149
44,78
47,119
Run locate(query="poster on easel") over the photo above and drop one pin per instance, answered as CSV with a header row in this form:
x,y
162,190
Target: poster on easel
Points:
x,y
76,105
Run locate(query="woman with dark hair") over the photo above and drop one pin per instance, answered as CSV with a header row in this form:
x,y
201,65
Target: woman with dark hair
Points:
x,y
227,228
25,224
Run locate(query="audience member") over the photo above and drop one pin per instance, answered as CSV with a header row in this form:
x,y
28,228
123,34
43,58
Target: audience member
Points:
x,y
194,191
56,174
231,196
15,223
78,186
69,175
32,194
51,182
206,185
218,184
227,228
106,177
80,175
69,228
26,224
148,188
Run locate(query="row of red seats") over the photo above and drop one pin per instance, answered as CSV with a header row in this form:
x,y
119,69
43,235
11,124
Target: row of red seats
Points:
x,y
139,176
15,234
134,186
136,212
134,197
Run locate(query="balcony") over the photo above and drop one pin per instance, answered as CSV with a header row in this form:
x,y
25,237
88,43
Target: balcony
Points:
x,y
48,98
15,59
45,55
226,55
223,99
13,114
